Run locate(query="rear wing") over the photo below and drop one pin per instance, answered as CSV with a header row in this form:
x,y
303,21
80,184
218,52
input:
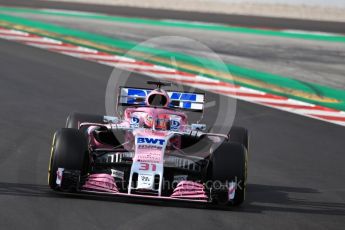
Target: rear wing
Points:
x,y
178,100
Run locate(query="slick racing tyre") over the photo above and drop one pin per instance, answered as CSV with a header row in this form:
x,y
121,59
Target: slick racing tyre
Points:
x,y
73,121
70,153
239,135
229,164
102,135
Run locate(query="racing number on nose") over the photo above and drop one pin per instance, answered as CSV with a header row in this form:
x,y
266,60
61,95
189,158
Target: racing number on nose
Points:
x,y
146,166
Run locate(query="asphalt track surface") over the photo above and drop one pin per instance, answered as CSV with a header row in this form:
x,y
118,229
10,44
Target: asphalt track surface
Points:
x,y
296,173
240,20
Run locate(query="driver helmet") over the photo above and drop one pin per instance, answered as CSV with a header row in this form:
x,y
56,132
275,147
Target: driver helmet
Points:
x,y
162,122
148,121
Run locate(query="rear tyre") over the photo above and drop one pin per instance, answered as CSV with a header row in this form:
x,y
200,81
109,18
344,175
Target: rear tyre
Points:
x,y
229,163
75,119
239,135
70,152
103,135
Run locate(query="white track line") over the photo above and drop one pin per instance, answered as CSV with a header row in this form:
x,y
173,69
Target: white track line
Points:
x,y
13,32
58,47
104,58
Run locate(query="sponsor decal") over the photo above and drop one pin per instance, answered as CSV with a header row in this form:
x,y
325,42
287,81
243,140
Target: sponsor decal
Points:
x,y
152,147
117,174
186,99
145,181
59,174
232,190
154,158
197,127
149,149
134,123
133,93
150,141
175,124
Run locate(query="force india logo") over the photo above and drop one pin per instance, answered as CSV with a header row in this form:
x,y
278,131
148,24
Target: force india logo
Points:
x,y
151,141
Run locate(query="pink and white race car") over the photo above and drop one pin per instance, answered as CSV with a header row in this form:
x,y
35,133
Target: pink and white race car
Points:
x,y
150,151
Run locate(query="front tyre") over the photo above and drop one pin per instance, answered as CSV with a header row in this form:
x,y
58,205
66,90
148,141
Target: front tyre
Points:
x,y
229,164
70,152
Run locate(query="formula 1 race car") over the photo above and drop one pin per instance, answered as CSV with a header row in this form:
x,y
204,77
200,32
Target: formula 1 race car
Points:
x,y
150,151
